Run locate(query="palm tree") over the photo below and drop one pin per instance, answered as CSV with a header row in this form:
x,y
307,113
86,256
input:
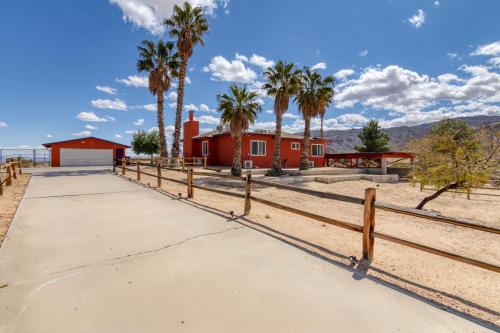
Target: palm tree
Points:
x,y
187,25
325,97
282,83
314,95
239,110
162,63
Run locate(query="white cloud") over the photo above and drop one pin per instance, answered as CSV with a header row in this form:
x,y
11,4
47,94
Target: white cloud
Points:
x,y
116,104
135,81
110,118
3,124
261,61
190,107
495,61
83,133
492,49
187,80
206,108
91,127
172,96
92,117
436,3
150,107
49,135
270,111
241,57
268,126
131,131
233,71
452,55
139,122
418,19
149,14
288,115
318,66
118,136
209,120
172,105
343,73
363,53
107,90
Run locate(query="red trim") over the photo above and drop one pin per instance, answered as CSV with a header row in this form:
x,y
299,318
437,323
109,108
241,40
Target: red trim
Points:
x,y
48,145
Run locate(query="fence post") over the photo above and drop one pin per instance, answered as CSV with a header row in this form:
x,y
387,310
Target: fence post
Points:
x,y
138,171
1,185
205,161
190,182
123,165
183,163
114,165
369,223
158,170
248,192
8,182
20,167
13,166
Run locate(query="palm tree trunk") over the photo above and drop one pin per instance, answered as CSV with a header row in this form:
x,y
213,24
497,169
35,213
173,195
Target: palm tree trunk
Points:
x,y
277,146
321,135
161,125
304,153
236,169
180,104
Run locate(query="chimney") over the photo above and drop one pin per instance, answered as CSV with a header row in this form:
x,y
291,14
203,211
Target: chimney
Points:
x,y
191,129
191,115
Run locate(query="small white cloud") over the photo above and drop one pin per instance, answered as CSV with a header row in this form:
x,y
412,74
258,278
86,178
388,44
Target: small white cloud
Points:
x,y
190,107
452,55
343,73
492,49
150,107
209,120
172,105
3,124
261,61
91,127
436,3
288,115
318,66
270,111
118,136
363,53
107,90
232,71
172,96
241,57
131,131
116,104
187,80
205,108
49,135
83,133
110,118
418,19
139,122
92,117
135,81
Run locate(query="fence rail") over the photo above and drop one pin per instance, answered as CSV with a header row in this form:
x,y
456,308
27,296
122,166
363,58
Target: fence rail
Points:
x,y
10,173
369,212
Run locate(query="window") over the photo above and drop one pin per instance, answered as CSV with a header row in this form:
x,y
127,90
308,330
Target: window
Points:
x,y
258,148
295,146
317,150
204,148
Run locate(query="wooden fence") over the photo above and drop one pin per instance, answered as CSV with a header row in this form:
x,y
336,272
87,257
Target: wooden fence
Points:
x,y
369,204
11,171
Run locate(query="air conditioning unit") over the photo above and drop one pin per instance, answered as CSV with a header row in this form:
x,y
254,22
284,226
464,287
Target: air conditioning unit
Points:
x,y
311,164
247,164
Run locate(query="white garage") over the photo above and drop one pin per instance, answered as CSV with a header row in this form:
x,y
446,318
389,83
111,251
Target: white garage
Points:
x,y
83,157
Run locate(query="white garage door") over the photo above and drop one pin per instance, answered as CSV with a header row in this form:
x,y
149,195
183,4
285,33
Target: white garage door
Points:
x,y
79,157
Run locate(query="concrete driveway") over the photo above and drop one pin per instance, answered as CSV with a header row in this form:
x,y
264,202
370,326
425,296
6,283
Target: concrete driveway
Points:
x,y
90,252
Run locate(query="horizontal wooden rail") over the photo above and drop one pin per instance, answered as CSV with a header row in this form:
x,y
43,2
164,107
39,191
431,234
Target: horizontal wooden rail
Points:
x,y
442,253
435,217
161,177
320,194
211,189
342,224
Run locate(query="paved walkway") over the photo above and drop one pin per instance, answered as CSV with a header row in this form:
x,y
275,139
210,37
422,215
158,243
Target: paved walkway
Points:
x,y
90,252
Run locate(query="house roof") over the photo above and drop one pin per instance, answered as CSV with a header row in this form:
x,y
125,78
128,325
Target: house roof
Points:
x,y
49,144
284,135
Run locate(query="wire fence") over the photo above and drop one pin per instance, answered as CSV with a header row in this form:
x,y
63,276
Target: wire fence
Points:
x,y
28,157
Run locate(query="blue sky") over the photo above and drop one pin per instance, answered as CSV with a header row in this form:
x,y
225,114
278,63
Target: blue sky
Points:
x,y
68,67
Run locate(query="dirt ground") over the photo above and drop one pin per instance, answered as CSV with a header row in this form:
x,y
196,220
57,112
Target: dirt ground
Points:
x,y
12,195
461,288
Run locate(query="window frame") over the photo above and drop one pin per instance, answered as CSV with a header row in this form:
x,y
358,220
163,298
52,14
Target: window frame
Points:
x,y
258,141
322,149
295,143
203,143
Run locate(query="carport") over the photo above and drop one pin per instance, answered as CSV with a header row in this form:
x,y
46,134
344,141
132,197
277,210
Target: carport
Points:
x,y
89,151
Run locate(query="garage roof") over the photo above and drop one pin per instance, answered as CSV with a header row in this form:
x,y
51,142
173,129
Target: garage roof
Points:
x,y
119,145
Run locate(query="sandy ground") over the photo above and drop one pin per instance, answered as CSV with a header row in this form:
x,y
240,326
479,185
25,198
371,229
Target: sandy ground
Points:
x,y
12,195
461,288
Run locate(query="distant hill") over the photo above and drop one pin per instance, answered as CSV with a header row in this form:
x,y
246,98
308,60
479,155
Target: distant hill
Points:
x,y
345,140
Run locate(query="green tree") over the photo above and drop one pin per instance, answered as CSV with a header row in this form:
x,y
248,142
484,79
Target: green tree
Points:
x,y
161,63
311,98
188,25
283,83
455,156
374,139
147,143
239,110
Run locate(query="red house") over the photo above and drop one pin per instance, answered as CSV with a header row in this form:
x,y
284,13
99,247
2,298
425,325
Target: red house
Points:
x,y
257,147
85,151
